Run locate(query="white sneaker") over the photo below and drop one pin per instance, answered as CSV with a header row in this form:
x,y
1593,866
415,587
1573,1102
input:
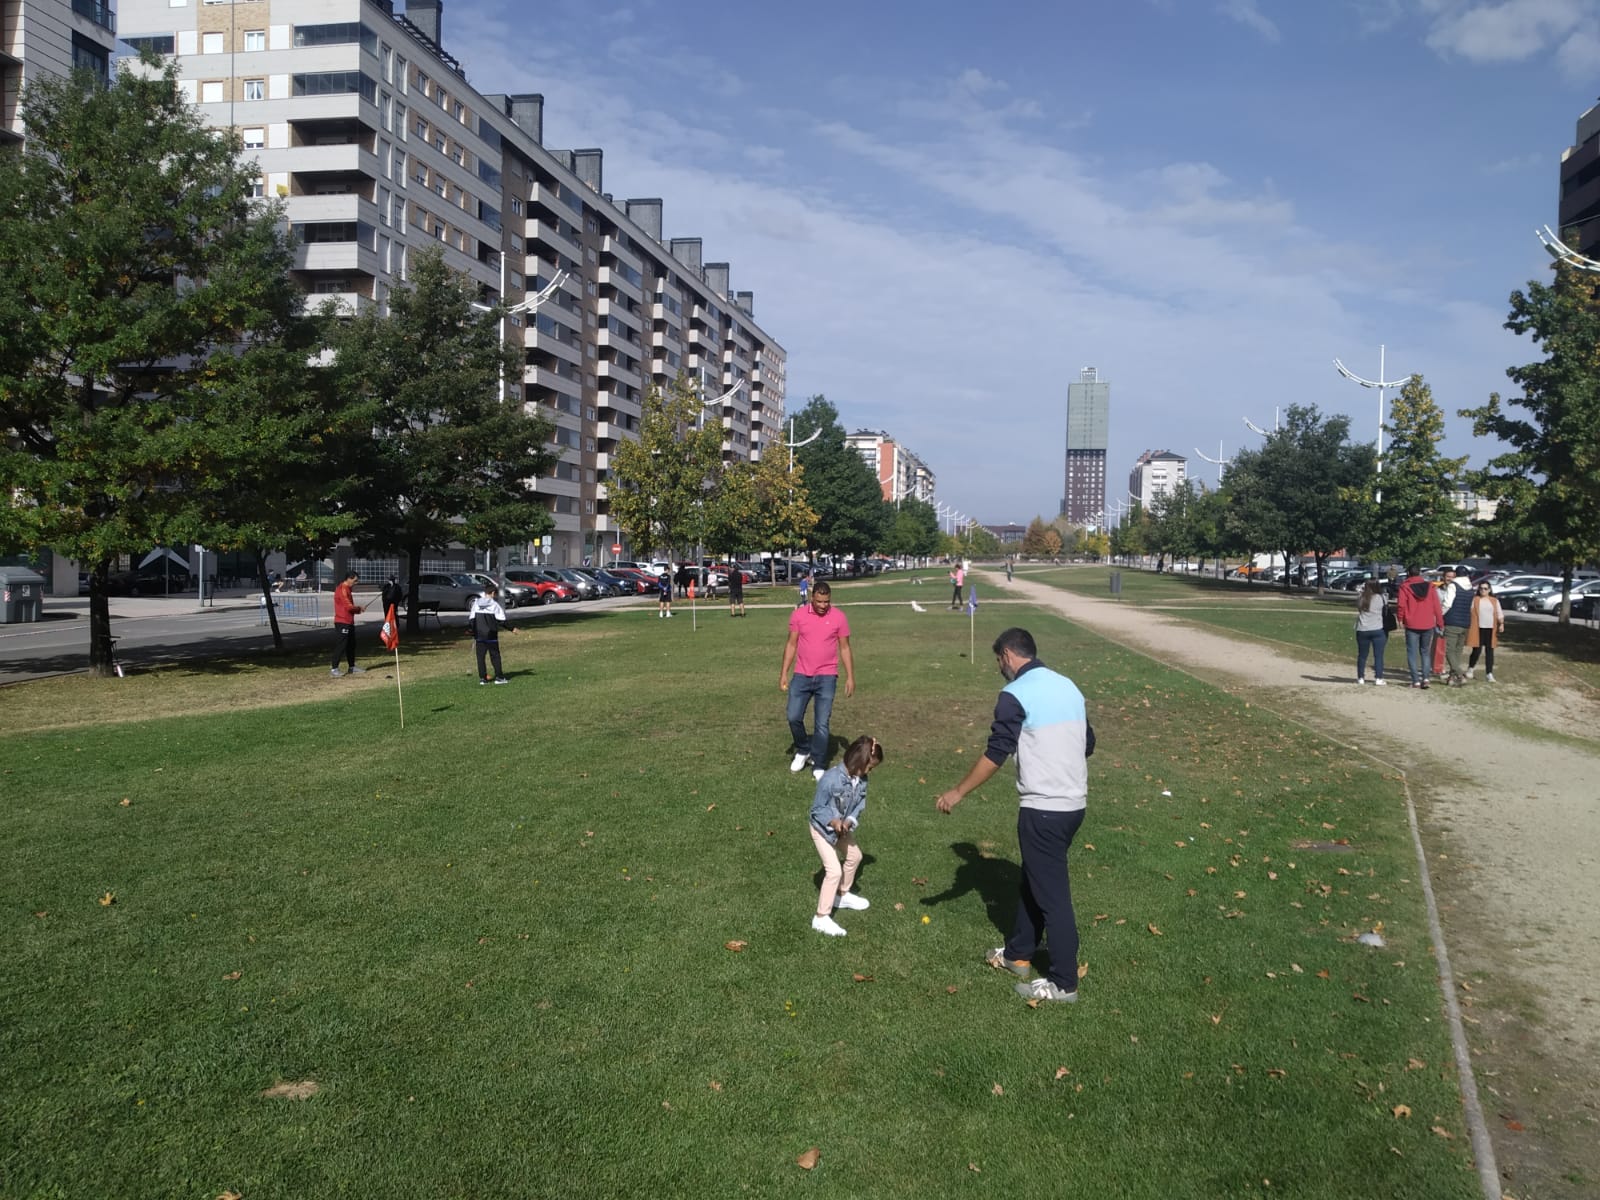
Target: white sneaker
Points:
x,y
828,926
1379,683
336,672
1360,681
1490,676
1470,670
852,901
358,670
816,773
799,761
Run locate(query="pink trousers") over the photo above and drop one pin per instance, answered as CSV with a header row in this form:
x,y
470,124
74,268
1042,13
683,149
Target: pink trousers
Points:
x,y
836,878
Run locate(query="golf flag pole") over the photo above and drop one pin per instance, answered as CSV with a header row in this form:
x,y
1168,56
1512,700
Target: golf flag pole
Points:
x,y
972,620
389,635
694,613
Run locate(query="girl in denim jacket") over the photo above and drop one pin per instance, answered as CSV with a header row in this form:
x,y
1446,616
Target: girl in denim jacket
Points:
x,y
836,810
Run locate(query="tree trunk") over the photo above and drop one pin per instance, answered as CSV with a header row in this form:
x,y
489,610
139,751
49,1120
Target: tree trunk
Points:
x,y
414,568
267,597
100,654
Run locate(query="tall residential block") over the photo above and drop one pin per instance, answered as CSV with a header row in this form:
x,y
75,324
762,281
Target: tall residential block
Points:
x,y
1579,206
900,473
50,37
1088,422
370,132
1156,473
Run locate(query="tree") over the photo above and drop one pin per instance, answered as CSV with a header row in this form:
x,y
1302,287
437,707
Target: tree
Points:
x,y
1416,520
1172,530
852,517
1548,483
141,283
661,480
1033,539
914,532
448,461
757,505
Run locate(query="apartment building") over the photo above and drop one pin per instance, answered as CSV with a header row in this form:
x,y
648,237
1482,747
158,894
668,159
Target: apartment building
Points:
x,y
1156,473
1088,426
49,37
900,472
371,133
1578,208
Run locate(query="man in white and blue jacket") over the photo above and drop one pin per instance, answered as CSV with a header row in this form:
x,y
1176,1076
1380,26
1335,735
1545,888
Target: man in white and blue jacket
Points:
x,y
1040,717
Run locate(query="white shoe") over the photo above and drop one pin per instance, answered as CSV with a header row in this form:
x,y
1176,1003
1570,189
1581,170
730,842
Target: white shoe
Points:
x,y
336,672
1490,676
1360,681
1379,683
828,926
798,762
816,773
358,670
852,901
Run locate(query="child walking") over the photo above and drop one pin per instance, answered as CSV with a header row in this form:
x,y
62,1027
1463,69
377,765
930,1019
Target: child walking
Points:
x,y
486,619
836,810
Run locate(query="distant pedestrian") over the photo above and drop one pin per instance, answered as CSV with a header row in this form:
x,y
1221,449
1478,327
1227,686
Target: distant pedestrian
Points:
x,y
1422,617
664,593
1372,633
486,619
957,578
836,809
805,590
1488,622
345,609
1455,599
394,596
1008,568
735,590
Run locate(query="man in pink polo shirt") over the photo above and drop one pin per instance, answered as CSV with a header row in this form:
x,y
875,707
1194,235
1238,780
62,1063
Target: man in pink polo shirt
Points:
x,y
819,637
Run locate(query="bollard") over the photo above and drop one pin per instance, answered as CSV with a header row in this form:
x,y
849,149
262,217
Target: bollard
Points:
x,y
1116,583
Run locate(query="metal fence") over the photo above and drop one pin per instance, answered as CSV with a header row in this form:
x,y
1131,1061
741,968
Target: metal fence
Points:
x,y
292,610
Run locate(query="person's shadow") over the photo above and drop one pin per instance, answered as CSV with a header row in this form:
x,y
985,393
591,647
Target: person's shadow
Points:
x,y
994,879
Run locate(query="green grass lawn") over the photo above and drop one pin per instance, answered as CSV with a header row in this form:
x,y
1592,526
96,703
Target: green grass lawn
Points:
x,y
496,942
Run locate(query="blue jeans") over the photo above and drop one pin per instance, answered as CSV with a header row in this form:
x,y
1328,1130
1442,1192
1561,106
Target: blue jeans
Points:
x,y
1419,654
803,689
1044,901
1374,640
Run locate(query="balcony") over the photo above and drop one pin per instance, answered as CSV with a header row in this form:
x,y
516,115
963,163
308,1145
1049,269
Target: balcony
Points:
x,y
611,277
546,233
349,257
615,248
665,341
98,11
537,339
336,207
349,303
605,338
661,312
615,402
616,371
616,308
553,380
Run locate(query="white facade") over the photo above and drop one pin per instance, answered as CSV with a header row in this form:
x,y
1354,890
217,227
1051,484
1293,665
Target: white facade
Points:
x,y
368,130
1156,473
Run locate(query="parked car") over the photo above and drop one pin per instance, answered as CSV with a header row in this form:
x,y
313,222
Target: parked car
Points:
x,y
155,579
512,594
586,588
546,588
452,593
1522,599
607,584
1550,602
639,583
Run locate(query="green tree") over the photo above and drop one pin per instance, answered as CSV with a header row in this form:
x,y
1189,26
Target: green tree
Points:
x,y
661,482
448,460
1548,483
1172,528
141,283
1415,521
1033,539
915,531
852,517
1317,482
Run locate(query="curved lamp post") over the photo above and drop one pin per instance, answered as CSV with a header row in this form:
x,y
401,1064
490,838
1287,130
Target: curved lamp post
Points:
x,y
1563,253
1381,384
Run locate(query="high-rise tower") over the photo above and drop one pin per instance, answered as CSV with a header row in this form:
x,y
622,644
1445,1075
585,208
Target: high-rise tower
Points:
x,y
1088,419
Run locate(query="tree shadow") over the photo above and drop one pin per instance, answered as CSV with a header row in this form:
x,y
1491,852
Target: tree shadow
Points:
x,y
995,880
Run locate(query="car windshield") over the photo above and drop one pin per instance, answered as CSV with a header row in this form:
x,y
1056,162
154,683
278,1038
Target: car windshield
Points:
x,y
466,581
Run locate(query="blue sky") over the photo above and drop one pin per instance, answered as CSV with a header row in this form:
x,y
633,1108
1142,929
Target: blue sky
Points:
x,y
945,210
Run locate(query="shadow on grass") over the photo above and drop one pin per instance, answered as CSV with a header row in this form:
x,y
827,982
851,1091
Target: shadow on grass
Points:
x,y
995,880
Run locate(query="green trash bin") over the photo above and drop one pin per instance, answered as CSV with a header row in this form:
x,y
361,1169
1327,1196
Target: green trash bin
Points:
x,y
21,595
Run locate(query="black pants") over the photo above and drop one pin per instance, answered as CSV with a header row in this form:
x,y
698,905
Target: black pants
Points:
x,y
344,645
1488,658
1044,901
491,650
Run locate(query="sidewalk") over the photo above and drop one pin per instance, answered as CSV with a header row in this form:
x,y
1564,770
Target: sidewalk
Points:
x,y
177,604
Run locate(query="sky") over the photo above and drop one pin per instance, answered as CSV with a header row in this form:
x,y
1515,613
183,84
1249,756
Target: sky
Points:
x,y
946,210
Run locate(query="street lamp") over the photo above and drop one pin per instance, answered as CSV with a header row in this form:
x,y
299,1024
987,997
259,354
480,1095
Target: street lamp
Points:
x,y
1381,384
1563,253
1219,462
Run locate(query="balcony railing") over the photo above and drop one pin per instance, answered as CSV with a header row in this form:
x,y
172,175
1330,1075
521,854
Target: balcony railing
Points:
x,y
99,11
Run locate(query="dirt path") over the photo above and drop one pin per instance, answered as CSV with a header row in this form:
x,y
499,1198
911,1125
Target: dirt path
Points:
x,y
1511,826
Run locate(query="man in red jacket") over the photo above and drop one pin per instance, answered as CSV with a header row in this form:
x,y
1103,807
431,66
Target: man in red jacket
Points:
x,y
345,609
1421,616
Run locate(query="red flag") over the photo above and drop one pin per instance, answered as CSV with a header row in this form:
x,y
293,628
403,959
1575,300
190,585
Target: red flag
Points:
x,y
389,635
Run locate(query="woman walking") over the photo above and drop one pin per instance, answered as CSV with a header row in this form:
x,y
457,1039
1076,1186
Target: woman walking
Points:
x,y
1371,635
1484,628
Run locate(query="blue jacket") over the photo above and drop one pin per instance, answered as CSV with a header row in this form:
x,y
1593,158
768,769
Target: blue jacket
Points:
x,y
839,794
1042,719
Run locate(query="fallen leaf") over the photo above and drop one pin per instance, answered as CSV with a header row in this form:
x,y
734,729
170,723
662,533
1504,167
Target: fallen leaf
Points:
x,y
1032,1003
899,907
231,975
483,941
588,833
1442,1132
998,1090
862,978
809,1159
1276,1072
108,899
1415,1064
1216,1018
1360,997
667,1104
973,1167
1151,927
1083,969
951,990
124,803
714,1085
1514,1126
302,1090
229,1196
709,807
1323,974
42,914
1088,845
734,946
1063,1071
920,882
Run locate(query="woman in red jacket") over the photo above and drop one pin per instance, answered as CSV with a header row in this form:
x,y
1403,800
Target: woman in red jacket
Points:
x,y
1421,617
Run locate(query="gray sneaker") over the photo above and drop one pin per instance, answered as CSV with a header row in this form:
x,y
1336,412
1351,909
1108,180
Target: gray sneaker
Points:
x,y
358,670
1043,989
997,959
336,672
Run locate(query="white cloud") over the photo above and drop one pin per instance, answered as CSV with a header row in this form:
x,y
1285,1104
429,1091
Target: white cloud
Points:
x,y
1509,30
1248,14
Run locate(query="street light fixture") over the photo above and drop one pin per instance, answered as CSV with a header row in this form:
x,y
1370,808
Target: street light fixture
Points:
x,y
1219,462
1381,384
1564,253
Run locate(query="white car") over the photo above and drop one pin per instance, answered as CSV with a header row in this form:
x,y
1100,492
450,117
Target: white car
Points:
x,y
1551,601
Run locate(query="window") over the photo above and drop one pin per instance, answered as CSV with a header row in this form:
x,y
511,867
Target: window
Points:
x,y
255,89
255,139
210,43
258,190
422,129
87,56
516,207
156,43
333,83
338,34
211,92
255,39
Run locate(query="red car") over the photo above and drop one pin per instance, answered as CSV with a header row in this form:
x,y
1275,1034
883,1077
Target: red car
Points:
x,y
545,589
